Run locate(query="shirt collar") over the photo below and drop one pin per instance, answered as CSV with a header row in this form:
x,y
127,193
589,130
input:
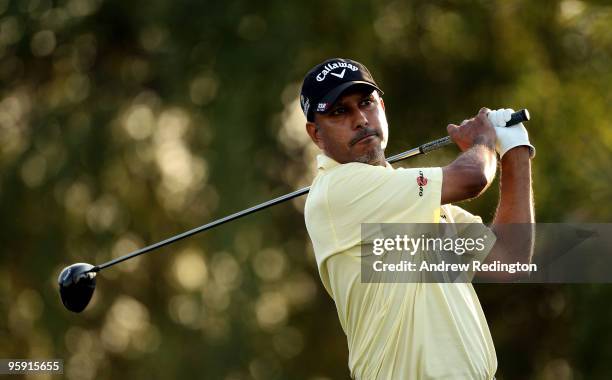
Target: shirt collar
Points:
x,y
325,163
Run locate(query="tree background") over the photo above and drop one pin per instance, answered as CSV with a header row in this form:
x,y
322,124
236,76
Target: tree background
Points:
x,y
125,122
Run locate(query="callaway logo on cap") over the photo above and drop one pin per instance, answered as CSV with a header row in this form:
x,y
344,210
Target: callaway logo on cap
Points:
x,y
325,82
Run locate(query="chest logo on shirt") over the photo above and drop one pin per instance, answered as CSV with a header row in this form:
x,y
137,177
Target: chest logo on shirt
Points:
x,y
421,181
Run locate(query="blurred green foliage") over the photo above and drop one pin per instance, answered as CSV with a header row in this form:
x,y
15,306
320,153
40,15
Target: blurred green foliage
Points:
x,y
125,122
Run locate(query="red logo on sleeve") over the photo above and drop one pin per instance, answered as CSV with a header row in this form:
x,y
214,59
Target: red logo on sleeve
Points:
x,y
421,181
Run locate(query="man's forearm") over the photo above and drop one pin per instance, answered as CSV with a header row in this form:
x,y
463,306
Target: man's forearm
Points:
x,y
488,159
514,217
469,175
516,195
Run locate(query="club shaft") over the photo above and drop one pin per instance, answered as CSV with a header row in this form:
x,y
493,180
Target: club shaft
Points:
x,y
204,227
517,117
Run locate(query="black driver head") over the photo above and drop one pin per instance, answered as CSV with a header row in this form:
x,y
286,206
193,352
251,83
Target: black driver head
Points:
x,y
76,285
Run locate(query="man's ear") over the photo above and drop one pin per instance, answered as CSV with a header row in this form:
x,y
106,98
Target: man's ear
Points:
x,y
382,103
314,133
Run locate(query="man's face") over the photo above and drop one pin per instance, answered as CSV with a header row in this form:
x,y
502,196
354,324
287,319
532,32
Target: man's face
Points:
x,y
354,129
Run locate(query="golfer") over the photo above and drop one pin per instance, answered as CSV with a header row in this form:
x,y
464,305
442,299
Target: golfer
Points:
x,y
404,330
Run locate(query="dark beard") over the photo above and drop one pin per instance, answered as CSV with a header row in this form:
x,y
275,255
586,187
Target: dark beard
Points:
x,y
375,156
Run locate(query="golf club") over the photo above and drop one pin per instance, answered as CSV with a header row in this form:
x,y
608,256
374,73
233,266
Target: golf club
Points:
x,y
77,282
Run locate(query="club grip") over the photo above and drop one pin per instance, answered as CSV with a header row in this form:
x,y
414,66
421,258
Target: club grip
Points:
x,y
518,117
434,145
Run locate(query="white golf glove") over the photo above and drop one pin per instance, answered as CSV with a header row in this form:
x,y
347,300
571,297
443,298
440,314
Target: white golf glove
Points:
x,y
509,137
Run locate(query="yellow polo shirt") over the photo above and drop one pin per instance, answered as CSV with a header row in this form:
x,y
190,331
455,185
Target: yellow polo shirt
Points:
x,y
394,330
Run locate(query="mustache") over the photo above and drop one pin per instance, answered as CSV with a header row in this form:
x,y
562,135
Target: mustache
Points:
x,y
362,134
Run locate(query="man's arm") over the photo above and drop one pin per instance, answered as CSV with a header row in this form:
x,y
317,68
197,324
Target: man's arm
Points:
x,y
473,171
513,222
516,195
469,175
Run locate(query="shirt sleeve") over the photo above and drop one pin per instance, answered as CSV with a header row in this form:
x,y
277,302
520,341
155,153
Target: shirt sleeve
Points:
x,y
459,215
468,225
360,193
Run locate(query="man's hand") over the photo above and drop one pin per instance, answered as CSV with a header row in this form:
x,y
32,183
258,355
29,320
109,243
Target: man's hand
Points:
x,y
509,137
477,130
